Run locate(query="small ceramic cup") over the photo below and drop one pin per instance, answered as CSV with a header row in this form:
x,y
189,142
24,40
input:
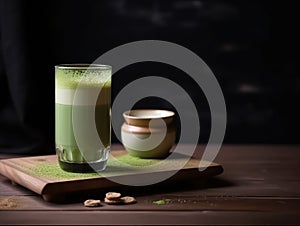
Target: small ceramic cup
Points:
x,y
148,133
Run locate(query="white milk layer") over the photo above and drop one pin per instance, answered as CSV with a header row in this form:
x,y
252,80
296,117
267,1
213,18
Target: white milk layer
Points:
x,y
82,96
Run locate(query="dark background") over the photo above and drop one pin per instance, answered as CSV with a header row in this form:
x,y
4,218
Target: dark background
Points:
x,y
251,46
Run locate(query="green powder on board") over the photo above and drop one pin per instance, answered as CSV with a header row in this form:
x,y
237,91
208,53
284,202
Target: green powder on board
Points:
x,y
136,161
53,170
115,166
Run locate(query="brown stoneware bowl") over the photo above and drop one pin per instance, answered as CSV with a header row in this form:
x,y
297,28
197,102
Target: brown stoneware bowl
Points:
x,y
148,133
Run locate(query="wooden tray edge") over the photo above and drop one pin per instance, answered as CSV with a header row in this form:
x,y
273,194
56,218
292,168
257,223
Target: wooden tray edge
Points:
x,y
27,179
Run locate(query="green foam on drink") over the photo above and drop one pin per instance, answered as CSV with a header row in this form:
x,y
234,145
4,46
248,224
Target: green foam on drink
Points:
x,y
87,78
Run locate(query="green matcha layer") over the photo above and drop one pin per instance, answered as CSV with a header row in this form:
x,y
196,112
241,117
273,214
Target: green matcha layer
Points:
x,y
65,137
71,78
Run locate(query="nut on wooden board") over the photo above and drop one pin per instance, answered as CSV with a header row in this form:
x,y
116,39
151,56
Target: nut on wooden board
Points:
x,y
128,200
113,195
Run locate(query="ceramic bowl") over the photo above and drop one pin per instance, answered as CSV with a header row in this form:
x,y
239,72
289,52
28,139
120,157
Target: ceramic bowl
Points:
x,y
148,133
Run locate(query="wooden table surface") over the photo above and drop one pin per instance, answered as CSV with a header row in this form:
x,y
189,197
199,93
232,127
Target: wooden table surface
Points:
x,y
260,185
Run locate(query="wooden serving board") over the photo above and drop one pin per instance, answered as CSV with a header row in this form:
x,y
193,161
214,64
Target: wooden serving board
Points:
x,y
24,171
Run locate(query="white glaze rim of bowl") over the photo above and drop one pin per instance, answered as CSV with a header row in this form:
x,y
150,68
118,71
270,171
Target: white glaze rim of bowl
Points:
x,y
148,114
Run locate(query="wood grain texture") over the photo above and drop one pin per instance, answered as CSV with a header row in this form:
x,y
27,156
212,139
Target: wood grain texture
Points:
x,y
53,189
260,185
164,217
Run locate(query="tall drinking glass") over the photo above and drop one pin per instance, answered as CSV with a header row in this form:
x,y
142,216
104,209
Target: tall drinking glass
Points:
x,y
82,116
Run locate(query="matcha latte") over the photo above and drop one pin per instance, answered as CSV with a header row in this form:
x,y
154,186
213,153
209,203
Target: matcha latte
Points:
x,y
82,116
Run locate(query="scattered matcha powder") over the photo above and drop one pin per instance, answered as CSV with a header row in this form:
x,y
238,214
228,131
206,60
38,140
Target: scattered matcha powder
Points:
x,y
8,203
162,201
52,170
126,162
136,161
